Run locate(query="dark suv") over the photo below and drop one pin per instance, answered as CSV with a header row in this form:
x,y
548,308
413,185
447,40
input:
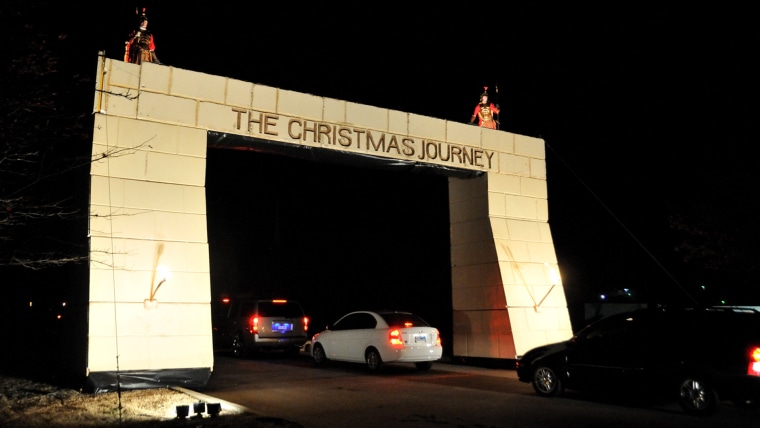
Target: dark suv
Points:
x,y
252,325
699,357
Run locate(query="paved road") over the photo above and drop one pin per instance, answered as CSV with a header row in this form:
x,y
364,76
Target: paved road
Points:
x,y
449,395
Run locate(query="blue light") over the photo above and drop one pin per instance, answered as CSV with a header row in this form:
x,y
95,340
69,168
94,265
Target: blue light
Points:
x,y
282,327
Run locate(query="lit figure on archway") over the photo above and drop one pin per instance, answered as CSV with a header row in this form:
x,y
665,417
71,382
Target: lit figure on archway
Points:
x,y
485,111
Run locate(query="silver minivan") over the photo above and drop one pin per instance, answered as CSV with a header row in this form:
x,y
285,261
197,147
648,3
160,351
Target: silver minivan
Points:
x,y
266,324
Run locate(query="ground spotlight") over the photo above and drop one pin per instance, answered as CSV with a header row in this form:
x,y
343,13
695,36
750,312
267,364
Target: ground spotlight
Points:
x,y
182,411
199,408
213,409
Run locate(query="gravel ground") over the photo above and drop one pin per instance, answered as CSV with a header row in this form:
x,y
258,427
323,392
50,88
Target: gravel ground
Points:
x,y
38,389
27,403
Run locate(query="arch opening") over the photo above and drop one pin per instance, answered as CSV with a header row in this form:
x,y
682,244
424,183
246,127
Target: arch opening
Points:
x,y
334,234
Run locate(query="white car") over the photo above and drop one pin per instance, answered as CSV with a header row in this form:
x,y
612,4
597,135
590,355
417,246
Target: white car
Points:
x,y
376,338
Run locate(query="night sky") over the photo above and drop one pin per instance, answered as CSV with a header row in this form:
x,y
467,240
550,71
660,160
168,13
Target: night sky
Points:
x,y
643,110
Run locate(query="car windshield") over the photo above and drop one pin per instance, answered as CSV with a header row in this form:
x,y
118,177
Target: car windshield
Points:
x,y
403,319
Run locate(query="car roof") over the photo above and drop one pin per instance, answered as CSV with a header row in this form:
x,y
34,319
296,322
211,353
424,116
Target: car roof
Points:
x,y
381,311
259,299
712,317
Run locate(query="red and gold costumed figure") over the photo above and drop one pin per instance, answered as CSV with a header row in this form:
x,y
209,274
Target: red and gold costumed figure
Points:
x,y
140,46
484,111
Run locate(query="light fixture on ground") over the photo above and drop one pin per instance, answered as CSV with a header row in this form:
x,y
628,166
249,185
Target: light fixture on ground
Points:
x,y
183,411
213,409
199,408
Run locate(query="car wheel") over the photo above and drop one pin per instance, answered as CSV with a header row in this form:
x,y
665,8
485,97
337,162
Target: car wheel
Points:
x,y
424,366
698,397
374,362
238,346
546,383
319,355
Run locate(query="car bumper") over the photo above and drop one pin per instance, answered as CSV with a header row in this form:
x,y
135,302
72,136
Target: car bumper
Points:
x,y
413,355
741,388
278,342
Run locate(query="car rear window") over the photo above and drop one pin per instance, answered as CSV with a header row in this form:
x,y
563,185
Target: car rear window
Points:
x,y
400,319
280,310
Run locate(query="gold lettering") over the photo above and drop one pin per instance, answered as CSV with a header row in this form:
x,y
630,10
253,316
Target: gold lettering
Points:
x,y
335,134
270,120
380,146
408,144
456,151
345,137
477,157
252,120
293,135
323,129
239,117
307,129
467,154
448,152
393,144
428,145
359,133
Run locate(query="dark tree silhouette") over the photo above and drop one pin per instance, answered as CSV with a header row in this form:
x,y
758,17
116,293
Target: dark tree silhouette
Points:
x,y
45,135
715,221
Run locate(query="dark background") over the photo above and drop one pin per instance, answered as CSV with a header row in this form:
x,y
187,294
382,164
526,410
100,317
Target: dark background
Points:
x,y
648,114
335,237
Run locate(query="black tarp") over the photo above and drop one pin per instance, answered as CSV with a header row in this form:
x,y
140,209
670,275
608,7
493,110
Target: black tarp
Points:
x,y
239,142
191,378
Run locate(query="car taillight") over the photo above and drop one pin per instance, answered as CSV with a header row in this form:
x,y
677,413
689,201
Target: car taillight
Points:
x,y
395,337
254,324
754,361
437,338
305,323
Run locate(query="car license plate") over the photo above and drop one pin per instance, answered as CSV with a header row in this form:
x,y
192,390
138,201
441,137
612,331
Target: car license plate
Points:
x,y
282,327
420,338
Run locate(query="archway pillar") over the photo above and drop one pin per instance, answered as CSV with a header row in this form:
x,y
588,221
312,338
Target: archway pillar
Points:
x,y
507,293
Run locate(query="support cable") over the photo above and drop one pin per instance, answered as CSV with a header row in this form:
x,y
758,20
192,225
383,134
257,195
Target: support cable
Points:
x,y
619,222
113,260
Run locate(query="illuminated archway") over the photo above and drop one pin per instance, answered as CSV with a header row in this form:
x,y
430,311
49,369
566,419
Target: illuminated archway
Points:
x,y
153,126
